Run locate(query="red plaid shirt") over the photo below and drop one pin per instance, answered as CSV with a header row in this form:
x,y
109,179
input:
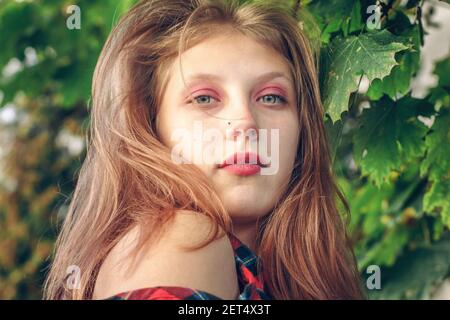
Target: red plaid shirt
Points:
x,y
251,286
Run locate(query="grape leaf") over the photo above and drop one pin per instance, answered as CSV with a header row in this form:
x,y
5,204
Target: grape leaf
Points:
x,y
441,93
442,70
437,165
389,134
399,80
371,54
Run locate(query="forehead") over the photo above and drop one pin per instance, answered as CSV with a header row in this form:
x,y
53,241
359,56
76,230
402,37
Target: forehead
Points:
x,y
229,56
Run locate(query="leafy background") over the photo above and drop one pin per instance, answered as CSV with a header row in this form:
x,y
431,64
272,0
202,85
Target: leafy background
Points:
x,y
391,148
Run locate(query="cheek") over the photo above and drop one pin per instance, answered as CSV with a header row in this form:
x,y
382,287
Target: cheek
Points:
x,y
289,140
184,136
171,123
163,127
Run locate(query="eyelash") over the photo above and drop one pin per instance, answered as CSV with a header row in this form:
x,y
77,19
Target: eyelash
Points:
x,y
281,98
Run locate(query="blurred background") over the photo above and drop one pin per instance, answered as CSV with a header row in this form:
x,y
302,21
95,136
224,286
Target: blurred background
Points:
x,y
399,221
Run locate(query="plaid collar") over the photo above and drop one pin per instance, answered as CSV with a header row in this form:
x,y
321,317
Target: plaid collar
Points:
x,y
248,266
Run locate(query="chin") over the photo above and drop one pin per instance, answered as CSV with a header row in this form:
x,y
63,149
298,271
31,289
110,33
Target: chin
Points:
x,y
247,202
246,210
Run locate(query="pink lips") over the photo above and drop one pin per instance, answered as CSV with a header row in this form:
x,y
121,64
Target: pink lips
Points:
x,y
240,164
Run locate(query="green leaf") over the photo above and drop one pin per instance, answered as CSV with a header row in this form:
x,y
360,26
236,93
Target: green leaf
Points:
x,y
389,134
442,70
437,161
438,197
416,273
399,80
332,27
441,93
349,58
331,10
331,15
355,21
385,252
437,166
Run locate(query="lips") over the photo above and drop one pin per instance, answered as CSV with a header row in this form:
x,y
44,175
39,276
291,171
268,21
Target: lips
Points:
x,y
242,158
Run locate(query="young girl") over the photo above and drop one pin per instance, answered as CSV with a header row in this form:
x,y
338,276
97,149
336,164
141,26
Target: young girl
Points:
x,y
251,214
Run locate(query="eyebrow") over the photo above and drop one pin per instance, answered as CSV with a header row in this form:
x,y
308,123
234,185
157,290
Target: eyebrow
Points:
x,y
260,79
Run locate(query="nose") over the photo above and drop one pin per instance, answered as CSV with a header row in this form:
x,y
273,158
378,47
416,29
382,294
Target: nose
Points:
x,y
242,123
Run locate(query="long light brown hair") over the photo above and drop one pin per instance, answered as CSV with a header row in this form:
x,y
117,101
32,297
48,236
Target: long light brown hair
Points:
x,y
129,179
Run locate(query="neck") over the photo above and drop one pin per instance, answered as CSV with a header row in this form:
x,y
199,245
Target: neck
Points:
x,y
246,233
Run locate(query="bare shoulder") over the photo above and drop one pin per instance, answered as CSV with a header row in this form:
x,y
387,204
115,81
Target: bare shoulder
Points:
x,y
165,263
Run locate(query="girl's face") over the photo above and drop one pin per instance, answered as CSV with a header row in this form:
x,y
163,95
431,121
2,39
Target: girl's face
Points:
x,y
232,94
